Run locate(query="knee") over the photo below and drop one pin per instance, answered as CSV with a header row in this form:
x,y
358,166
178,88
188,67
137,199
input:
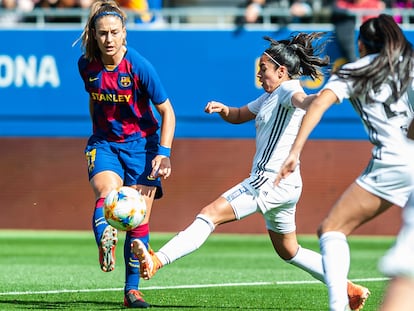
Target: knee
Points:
x,y
210,212
319,231
102,186
322,227
218,213
287,251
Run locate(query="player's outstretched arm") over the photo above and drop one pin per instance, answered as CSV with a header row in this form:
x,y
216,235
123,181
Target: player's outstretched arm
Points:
x,y
230,114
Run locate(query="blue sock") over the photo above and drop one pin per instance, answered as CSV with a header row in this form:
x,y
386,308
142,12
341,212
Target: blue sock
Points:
x,y
131,263
99,222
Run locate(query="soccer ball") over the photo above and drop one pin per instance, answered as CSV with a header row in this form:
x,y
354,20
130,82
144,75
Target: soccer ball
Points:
x,y
124,208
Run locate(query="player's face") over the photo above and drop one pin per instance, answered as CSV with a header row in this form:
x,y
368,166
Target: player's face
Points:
x,y
269,74
110,35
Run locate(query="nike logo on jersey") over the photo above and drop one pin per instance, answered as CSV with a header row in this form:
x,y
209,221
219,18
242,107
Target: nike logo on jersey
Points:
x,y
93,79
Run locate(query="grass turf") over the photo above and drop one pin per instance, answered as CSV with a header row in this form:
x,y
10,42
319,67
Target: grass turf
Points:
x,y
55,270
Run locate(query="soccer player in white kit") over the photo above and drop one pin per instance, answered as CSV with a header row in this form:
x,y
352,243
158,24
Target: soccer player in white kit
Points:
x,y
380,88
398,263
278,114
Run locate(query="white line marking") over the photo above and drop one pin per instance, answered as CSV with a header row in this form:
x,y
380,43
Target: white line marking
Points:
x,y
62,291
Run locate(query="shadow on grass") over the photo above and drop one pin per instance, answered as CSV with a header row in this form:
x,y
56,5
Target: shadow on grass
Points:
x,y
16,304
276,308
59,305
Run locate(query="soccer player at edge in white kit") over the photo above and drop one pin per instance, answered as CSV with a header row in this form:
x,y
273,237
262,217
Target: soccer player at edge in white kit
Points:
x,y
398,263
277,114
381,89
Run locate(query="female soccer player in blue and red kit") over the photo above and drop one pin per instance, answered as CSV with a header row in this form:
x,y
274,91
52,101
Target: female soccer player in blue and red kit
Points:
x,y
128,146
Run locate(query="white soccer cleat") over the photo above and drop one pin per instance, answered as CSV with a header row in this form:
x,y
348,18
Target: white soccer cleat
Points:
x,y
106,248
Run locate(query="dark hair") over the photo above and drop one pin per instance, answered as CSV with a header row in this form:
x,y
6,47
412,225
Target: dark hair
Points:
x,y
299,54
393,64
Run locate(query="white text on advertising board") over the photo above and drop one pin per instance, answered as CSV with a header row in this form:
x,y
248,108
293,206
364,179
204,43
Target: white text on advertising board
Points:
x,y
31,71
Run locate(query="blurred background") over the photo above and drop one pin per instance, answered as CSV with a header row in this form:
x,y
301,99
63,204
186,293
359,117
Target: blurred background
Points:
x,y
203,50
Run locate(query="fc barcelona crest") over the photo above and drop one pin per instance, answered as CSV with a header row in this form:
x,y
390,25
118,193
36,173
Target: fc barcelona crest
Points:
x,y
125,81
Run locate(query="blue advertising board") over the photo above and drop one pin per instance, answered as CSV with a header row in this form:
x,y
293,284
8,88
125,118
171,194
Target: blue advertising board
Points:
x,y
42,94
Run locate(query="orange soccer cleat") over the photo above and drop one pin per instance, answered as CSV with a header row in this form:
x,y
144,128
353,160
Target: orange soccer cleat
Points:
x,y
357,296
149,263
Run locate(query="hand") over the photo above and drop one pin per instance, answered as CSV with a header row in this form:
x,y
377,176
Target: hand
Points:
x,y
161,166
213,106
287,168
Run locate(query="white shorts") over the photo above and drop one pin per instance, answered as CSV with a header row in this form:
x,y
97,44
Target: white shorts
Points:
x,y
276,204
399,260
388,181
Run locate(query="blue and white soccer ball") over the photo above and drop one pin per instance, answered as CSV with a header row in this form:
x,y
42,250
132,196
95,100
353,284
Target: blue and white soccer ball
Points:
x,y
124,208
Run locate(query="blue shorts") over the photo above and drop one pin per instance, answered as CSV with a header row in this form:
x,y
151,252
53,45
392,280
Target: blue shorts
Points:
x,y
130,160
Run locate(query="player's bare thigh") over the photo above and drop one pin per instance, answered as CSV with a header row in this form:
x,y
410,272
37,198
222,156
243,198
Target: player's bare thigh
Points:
x,y
103,182
148,192
219,211
355,207
399,295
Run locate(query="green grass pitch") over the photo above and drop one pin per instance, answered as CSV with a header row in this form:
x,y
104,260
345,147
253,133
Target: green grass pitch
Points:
x,y
55,270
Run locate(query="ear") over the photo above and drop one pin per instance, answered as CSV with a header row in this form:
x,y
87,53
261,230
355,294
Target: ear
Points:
x,y
282,72
125,35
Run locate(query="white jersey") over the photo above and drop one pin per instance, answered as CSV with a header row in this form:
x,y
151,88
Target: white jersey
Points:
x,y
277,124
384,120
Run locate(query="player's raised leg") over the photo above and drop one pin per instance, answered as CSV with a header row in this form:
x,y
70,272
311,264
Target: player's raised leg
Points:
x,y
184,243
149,263
106,238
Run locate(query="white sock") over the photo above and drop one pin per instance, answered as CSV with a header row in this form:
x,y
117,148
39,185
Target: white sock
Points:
x,y
309,261
186,241
336,262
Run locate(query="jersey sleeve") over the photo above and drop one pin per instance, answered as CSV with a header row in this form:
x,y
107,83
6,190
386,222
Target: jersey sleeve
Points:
x,y
287,90
343,88
338,86
82,63
148,77
254,106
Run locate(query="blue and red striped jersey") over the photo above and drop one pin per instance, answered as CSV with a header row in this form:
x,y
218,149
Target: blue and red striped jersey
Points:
x,y
121,98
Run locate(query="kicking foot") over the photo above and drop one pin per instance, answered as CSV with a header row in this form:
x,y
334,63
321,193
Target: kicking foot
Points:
x,y
357,296
149,263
